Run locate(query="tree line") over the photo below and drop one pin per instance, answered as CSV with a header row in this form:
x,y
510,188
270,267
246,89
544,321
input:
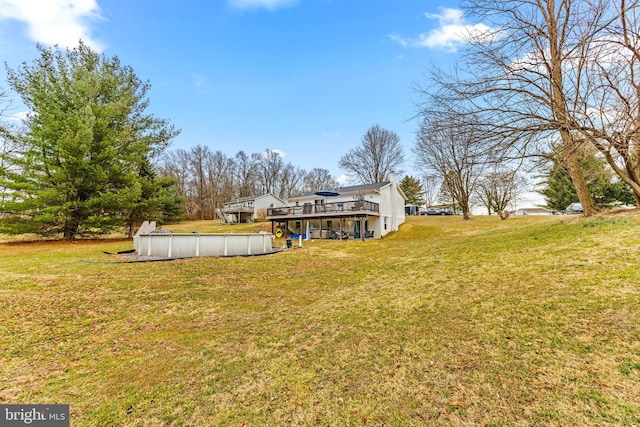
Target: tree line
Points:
x,y
207,179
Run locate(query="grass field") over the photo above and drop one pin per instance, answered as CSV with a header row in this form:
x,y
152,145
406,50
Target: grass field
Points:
x,y
530,321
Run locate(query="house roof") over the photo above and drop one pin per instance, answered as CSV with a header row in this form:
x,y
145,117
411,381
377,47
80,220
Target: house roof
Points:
x,y
345,190
246,199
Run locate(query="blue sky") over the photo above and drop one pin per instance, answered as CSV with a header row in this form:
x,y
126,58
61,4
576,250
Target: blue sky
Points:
x,y
305,77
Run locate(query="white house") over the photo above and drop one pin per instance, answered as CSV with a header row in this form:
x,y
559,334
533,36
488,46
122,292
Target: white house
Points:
x,y
360,211
249,209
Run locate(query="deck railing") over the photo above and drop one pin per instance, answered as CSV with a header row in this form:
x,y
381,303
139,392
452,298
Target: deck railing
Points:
x,y
310,209
237,209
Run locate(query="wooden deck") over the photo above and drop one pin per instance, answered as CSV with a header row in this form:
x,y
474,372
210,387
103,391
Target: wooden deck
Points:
x,y
324,210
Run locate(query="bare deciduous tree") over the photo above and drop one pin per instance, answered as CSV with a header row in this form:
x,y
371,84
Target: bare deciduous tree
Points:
x,y
528,76
498,188
607,111
319,179
453,147
177,165
291,181
379,154
208,179
198,158
431,188
245,173
269,167
219,170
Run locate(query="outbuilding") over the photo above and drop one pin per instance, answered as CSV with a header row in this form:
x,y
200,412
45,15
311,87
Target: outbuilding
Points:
x,y
249,209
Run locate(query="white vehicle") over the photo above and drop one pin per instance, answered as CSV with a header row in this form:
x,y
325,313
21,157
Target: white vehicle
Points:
x,y
573,209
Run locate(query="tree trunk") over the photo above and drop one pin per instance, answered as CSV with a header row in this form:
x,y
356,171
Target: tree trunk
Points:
x,y
70,230
577,178
635,184
559,105
637,200
464,205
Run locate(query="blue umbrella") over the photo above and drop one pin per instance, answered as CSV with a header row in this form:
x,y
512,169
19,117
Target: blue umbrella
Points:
x,y
327,193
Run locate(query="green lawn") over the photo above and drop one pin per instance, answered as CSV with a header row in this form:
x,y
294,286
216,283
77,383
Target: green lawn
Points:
x,y
530,321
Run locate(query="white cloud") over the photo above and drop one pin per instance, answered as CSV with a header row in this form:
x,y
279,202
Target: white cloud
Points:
x,y
399,39
257,4
54,22
274,152
451,32
343,179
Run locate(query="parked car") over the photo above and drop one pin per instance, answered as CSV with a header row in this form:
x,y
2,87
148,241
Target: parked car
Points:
x,y
438,211
411,210
574,208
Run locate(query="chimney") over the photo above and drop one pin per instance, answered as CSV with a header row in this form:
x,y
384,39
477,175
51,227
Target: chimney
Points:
x,y
393,177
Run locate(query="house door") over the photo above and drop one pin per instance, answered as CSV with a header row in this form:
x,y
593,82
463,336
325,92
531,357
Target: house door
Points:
x,y
356,229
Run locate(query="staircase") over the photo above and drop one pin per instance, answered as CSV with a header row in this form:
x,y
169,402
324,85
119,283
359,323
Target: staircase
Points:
x,y
225,218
